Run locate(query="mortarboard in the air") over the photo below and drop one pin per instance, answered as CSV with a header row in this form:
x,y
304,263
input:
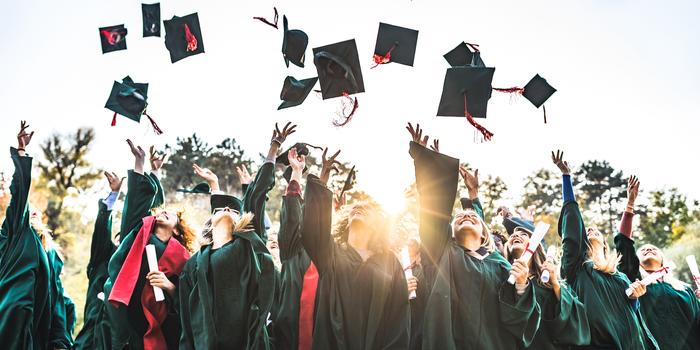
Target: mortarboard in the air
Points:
x,y
395,44
151,19
183,37
113,38
514,222
465,54
201,187
224,200
283,158
130,99
340,73
466,93
294,92
294,44
537,91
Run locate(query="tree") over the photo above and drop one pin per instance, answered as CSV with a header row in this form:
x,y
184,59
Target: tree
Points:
x,y
492,190
602,189
65,167
666,218
223,160
543,191
177,171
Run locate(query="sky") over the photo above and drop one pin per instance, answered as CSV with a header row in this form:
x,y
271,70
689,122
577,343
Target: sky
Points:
x,y
626,74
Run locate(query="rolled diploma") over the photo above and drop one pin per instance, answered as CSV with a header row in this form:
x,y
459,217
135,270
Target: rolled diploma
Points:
x,y
406,263
153,266
693,265
535,240
648,280
551,252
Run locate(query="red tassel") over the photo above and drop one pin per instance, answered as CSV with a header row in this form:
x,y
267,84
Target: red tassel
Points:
x,y
484,132
114,119
510,90
155,126
262,19
379,59
346,119
544,111
191,40
113,37
474,47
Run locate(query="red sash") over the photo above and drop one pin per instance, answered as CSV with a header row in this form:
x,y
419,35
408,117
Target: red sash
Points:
x,y
306,307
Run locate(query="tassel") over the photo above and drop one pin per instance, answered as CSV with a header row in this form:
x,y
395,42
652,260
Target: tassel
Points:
x,y
262,19
155,126
346,120
379,59
510,90
191,40
484,132
544,111
474,47
114,119
113,37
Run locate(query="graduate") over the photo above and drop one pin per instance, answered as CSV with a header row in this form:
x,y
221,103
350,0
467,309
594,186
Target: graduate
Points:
x,y
470,304
669,307
95,333
294,322
590,268
25,271
362,300
228,287
137,320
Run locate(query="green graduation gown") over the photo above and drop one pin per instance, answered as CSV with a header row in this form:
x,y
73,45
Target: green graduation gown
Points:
x,y
613,318
95,333
25,285
673,316
226,294
360,305
128,324
60,336
470,304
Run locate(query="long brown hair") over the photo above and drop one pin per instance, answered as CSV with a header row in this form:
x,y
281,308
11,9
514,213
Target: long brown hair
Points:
x,y
536,263
185,233
378,222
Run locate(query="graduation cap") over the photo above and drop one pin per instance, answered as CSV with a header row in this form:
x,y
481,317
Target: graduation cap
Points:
x,y
340,74
395,44
113,38
465,54
283,159
151,19
201,187
183,37
294,44
514,222
130,99
294,92
466,93
224,200
537,91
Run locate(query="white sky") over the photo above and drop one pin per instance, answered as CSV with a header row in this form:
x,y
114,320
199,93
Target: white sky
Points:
x,y
626,74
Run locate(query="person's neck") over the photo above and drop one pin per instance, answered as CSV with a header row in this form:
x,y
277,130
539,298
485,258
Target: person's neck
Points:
x,y
651,266
163,233
220,235
358,237
471,241
598,250
515,254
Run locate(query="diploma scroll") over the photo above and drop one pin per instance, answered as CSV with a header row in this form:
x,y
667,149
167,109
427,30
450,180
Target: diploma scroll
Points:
x,y
693,265
649,279
535,240
153,266
406,263
551,252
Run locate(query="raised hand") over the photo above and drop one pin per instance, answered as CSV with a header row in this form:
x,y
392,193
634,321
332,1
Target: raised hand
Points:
x,y
417,135
280,136
436,146
296,161
559,161
243,175
471,181
520,271
157,159
328,164
139,157
115,182
503,211
23,137
208,176
339,201
527,214
638,289
632,191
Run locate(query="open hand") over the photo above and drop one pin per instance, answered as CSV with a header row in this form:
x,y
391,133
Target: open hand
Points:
x,y
471,181
436,146
279,136
139,157
243,175
115,183
328,164
632,190
296,161
157,159
559,161
417,135
23,137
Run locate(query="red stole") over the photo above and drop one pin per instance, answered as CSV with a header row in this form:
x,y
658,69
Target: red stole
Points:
x,y
306,307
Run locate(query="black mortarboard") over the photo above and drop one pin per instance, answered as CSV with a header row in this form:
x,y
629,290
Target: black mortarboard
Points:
x,y
283,158
339,70
128,99
201,187
514,222
151,19
395,44
538,90
464,54
294,91
225,200
472,82
294,44
183,37
113,38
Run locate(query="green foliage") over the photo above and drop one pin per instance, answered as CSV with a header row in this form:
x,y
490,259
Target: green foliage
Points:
x,y
601,190
665,219
688,244
543,191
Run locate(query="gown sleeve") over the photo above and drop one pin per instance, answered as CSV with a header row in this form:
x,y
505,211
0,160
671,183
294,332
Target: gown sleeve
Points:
x,y
289,235
397,312
566,319
101,246
573,233
520,315
185,289
59,338
316,228
624,244
256,196
436,181
141,197
17,214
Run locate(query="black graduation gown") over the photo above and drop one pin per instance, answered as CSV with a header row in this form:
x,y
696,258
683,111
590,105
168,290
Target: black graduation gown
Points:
x,y
360,304
95,333
25,309
226,295
60,336
470,304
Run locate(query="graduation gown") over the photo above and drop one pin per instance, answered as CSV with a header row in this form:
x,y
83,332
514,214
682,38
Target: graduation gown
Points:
x,y
128,323
25,273
360,304
226,294
95,333
299,280
470,304
673,316
60,336
613,318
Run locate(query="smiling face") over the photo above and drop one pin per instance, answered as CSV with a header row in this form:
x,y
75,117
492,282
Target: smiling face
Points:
x,y
517,242
467,221
650,256
167,219
225,215
595,236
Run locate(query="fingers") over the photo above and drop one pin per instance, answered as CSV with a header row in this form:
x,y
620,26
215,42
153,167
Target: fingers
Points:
x,y
476,174
277,129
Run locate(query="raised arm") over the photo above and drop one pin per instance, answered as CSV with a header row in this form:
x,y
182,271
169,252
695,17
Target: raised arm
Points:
x,y
624,244
471,181
141,193
289,235
571,227
17,213
318,211
101,246
436,182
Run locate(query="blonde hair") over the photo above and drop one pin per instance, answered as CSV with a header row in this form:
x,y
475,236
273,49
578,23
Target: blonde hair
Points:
x,y
486,240
380,242
43,232
670,278
243,224
608,263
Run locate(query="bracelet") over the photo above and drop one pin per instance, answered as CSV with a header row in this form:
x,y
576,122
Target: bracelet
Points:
x,y
276,140
20,149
